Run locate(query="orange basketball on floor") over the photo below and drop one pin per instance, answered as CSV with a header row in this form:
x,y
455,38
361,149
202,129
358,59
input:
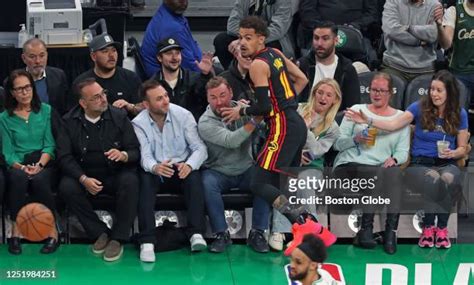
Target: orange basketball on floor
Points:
x,y
35,222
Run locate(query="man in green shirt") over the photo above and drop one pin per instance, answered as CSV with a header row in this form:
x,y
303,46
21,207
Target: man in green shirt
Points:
x,y
456,30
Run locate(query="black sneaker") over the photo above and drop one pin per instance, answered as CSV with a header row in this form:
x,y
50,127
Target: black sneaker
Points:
x,y
305,215
221,242
257,241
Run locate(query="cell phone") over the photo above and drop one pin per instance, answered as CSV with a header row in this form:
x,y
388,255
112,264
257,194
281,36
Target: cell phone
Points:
x,y
308,155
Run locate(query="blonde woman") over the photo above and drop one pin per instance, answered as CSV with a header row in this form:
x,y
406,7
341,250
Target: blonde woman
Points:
x,y
319,114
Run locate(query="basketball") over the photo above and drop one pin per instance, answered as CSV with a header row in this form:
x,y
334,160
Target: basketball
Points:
x,y
35,222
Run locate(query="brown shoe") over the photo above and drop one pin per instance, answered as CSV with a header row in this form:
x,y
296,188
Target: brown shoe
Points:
x,y
113,251
100,243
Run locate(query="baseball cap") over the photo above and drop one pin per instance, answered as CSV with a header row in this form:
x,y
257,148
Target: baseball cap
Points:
x,y
102,41
167,44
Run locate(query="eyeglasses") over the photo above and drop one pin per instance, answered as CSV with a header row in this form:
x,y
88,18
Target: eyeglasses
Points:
x,y
379,91
26,88
97,97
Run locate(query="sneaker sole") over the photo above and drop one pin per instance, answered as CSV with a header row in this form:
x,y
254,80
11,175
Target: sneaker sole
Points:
x,y
443,246
259,251
275,245
426,245
198,247
275,248
151,260
114,258
98,251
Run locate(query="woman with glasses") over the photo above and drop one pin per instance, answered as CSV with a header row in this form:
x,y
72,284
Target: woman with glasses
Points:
x,y
28,146
369,154
439,120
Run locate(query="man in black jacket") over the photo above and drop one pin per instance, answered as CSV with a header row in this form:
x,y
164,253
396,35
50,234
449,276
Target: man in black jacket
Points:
x,y
323,62
98,152
122,84
237,75
360,14
185,88
50,82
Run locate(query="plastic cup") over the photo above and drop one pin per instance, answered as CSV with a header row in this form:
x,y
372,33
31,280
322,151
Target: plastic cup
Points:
x,y
371,135
442,145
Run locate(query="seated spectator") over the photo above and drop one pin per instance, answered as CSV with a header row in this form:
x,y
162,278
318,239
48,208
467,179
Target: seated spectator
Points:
x,y
323,62
462,57
229,165
98,154
319,115
366,155
360,14
410,36
306,261
277,14
167,22
437,117
121,84
237,75
172,153
185,88
28,146
50,82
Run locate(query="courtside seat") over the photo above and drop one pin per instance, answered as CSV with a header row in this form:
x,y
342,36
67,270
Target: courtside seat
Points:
x,y
351,44
175,202
420,86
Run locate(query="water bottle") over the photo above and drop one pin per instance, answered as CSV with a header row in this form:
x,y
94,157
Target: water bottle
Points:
x,y
22,36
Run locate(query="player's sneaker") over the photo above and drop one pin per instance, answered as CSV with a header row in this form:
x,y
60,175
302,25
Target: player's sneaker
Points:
x,y
310,227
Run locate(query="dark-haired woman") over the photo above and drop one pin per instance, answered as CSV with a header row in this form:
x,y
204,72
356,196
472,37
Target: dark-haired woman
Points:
x,y
437,117
28,146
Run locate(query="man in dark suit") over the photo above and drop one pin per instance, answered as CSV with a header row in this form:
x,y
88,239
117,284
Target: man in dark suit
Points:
x,y
50,82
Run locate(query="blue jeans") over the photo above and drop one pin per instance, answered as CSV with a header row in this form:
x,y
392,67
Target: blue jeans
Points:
x,y
216,183
438,184
280,224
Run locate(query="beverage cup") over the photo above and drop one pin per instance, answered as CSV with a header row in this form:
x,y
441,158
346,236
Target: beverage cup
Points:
x,y
371,135
442,145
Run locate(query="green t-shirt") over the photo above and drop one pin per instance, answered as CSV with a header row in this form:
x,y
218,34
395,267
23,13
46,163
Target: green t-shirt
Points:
x,y
20,136
318,163
462,60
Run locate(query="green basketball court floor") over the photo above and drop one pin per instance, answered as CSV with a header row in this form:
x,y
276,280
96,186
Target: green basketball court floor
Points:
x,y
76,264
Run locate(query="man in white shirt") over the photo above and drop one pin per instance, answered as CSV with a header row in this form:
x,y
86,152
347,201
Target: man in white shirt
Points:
x,y
323,62
171,154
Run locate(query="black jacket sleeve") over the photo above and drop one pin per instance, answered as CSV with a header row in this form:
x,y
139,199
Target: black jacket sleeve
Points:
x,y
66,160
58,89
305,66
350,87
130,142
198,93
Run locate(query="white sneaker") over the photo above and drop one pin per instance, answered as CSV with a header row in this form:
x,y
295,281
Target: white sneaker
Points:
x,y
276,241
197,242
147,252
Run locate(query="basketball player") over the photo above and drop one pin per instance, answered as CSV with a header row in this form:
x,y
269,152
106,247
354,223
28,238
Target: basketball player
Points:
x,y
276,82
306,260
